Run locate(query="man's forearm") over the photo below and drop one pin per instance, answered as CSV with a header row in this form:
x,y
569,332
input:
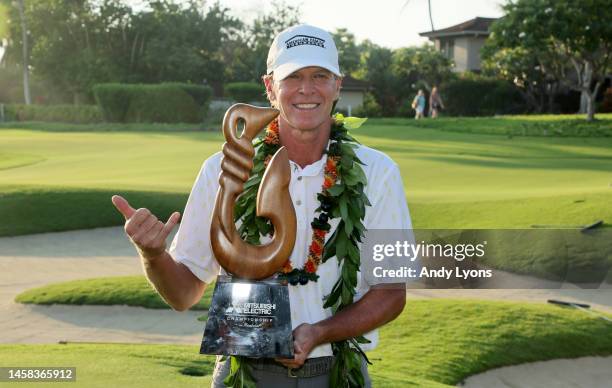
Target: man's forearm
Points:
x,y
377,307
177,285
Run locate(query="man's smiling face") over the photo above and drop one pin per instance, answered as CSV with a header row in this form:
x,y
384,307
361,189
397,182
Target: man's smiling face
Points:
x,y
305,97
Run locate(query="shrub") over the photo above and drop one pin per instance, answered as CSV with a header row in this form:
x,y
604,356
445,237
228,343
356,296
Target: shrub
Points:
x,y
479,96
369,108
200,93
162,104
245,91
159,103
78,114
113,100
405,108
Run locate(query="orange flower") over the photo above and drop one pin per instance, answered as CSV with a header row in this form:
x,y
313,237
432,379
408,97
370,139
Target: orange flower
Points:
x,y
272,133
315,248
330,165
328,182
319,233
274,125
287,267
310,267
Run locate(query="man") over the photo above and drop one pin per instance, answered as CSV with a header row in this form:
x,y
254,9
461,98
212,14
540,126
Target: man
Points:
x,y
303,81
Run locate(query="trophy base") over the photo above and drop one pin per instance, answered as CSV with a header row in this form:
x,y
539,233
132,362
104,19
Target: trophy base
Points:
x,y
249,318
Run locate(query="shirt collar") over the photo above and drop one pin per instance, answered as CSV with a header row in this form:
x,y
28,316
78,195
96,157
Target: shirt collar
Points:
x,y
312,169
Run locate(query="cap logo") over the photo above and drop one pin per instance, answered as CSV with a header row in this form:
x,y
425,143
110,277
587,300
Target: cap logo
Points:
x,y
299,40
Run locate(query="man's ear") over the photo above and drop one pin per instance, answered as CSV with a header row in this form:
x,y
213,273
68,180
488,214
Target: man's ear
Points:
x,y
269,84
338,87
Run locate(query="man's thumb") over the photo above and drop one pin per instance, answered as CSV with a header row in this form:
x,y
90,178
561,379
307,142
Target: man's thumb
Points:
x,y
123,206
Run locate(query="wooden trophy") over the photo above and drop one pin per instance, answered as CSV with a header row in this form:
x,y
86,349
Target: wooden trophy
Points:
x,y
250,313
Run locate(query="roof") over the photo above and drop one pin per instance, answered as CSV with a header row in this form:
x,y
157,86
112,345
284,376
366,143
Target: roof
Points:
x,y
351,84
476,26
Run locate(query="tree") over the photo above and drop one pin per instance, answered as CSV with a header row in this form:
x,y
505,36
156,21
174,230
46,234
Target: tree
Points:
x,y
64,45
374,68
25,53
178,43
348,51
571,39
246,53
424,65
523,68
78,43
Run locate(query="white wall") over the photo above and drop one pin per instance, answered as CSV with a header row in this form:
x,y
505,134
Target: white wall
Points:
x,y
476,44
353,99
461,54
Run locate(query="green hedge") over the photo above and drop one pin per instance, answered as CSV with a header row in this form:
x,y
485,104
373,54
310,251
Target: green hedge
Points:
x,y
369,108
159,103
479,96
246,91
78,114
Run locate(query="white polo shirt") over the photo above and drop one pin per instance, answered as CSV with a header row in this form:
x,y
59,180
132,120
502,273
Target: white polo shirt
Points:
x,y
191,244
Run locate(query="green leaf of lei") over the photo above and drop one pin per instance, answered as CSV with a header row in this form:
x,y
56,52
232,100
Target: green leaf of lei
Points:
x,y
349,202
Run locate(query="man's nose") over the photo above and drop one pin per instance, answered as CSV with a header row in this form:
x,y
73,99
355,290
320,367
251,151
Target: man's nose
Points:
x,y
307,85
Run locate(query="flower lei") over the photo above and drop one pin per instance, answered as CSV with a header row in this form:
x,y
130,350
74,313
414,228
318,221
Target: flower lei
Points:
x,y
342,197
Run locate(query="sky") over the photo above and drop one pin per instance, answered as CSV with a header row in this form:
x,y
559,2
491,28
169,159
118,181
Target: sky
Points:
x,y
389,23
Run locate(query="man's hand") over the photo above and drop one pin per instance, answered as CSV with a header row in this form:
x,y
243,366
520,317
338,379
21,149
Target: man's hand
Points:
x,y
305,338
145,231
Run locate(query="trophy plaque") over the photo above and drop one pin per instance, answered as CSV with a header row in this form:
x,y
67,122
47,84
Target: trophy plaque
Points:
x,y
250,313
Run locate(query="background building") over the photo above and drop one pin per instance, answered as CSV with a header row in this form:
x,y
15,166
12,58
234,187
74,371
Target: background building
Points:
x,y
462,42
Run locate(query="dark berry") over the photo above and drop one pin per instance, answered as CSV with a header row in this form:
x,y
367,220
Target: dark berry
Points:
x,y
303,279
323,217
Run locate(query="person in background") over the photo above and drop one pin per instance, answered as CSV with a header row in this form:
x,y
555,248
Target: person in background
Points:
x,y
418,104
435,103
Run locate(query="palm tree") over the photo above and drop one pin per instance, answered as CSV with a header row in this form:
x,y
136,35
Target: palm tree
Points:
x,y
26,73
429,6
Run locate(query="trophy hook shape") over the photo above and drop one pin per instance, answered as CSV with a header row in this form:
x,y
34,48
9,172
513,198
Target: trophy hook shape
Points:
x,y
236,256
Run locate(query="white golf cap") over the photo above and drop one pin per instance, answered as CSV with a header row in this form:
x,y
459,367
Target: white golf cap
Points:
x,y
302,46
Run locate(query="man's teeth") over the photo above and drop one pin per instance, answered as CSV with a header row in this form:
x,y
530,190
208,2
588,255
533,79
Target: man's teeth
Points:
x,y
306,106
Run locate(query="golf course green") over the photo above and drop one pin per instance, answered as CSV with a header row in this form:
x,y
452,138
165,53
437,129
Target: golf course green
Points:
x,y
507,172
53,180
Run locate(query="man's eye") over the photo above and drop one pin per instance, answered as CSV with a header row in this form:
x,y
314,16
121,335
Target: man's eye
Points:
x,y
293,76
321,76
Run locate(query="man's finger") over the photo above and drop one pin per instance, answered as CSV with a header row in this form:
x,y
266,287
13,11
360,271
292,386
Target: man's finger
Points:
x,y
123,206
169,225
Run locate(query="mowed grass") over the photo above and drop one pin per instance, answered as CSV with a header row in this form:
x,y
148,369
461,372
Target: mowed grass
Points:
x,y
526,125
55,180
434,343
119,290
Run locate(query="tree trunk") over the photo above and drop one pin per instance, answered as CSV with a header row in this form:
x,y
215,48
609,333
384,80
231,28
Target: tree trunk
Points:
x,y
26,70
592,100
585,91
584,102
591,107
430,17
551,90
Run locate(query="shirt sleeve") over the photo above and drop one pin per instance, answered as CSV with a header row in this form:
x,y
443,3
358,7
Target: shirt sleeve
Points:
x,y
191,244
389,209
387,221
